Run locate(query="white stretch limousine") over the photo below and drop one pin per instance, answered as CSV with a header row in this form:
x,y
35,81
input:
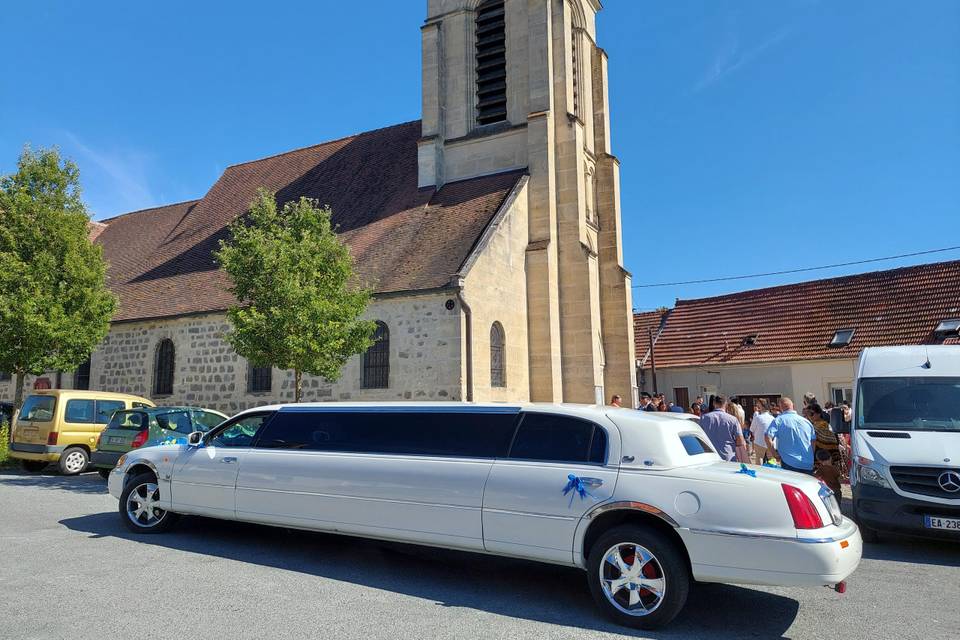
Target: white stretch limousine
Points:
x,y
639,500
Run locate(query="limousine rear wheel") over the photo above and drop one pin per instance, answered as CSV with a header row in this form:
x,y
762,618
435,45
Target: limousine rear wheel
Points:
x,y
637,576
138,506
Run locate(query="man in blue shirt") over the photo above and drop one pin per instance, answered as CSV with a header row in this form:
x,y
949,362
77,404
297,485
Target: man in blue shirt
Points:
x,y
794,439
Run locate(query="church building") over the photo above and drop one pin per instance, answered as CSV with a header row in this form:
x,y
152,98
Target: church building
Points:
x,y
489,231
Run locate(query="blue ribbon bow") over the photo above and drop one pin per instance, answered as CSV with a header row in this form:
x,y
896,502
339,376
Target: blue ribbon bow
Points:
x,y
746,471
575,485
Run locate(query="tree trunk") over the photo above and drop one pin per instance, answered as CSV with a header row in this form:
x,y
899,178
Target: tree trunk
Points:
x,y
297,384
17,397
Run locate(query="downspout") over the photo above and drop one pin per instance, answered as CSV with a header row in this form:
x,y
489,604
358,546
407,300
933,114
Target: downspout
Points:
x,y
468,336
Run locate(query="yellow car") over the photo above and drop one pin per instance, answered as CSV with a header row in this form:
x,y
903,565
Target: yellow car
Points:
x,y
59,425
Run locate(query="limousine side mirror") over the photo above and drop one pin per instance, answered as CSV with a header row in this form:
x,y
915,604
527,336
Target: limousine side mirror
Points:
x,y
837,423
195,438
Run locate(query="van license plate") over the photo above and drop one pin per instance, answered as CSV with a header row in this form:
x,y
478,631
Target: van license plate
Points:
x,y
936,522
114,439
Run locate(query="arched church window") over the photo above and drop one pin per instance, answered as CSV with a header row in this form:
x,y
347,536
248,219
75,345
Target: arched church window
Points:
x,y
498,366
81,377
164,368
491,62
376,361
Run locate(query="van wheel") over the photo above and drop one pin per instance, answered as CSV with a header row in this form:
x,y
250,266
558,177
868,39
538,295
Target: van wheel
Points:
x,y
33,466
104,473
73,461
138,508
638,576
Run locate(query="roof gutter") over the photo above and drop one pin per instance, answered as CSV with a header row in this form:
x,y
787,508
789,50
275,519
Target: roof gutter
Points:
x,y
468,338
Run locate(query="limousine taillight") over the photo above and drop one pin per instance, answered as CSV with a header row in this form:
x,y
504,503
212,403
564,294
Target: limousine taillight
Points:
x,y
805,514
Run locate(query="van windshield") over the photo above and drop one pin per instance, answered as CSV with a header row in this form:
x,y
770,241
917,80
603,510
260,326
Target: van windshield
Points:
x,y
909,404
38,408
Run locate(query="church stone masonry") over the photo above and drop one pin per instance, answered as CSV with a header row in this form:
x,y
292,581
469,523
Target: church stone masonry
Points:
x,y
493,247
557,126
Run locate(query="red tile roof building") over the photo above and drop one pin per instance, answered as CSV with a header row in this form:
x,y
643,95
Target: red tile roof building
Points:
x,y
799,323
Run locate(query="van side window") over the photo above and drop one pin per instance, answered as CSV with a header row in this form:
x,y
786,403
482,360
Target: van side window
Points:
x,y
81,411
556,438
449,434
106,408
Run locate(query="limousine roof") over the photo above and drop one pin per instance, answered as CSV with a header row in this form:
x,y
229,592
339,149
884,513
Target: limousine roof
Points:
x,y
652,438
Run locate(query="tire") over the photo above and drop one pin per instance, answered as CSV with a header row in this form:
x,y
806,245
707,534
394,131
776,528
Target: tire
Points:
x,y
144,486
665,567
104,473
73,460
33,466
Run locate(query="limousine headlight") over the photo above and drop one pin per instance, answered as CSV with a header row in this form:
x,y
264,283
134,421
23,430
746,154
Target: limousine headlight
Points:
x,y
121,461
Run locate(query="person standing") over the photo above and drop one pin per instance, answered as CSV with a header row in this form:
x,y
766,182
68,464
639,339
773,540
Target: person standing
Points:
x,y
758,427
794,437
724,432
695,409
646,402
616,401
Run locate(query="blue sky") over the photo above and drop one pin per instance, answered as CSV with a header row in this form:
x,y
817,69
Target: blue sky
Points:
x,y
754,136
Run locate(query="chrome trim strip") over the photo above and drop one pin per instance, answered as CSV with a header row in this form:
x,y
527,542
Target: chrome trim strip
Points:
x,y
634,506
770,536
349,497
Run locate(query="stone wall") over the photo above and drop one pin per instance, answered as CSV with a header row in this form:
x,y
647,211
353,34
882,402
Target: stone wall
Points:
x,y
495,287
424,360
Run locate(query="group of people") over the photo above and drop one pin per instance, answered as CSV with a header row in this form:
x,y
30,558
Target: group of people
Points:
x,y
775,433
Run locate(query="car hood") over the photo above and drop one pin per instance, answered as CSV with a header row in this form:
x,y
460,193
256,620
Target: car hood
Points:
x,y
921,448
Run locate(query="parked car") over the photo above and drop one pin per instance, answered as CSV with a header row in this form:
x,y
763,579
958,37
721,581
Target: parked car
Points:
x,y
639,500
62,425
133,428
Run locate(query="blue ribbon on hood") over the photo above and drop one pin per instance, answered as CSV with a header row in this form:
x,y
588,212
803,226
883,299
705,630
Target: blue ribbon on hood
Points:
x,y
576,486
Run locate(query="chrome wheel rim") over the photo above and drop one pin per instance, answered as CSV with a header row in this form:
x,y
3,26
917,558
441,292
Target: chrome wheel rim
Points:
x,y
142,505
632,579
74,462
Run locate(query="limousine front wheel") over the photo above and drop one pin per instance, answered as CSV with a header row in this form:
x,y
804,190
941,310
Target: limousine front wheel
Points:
x,y
138,506
637,576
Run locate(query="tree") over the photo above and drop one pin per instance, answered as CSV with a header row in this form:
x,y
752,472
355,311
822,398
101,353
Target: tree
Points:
x,y
298,307
54,304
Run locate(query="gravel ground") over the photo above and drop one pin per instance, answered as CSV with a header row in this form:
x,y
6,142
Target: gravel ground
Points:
x,y
69,569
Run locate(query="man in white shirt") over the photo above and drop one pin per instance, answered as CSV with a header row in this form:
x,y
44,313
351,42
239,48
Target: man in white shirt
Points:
x,y
758,427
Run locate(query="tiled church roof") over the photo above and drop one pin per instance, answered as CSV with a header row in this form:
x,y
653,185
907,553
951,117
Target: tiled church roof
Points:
x,y
402,238
798,321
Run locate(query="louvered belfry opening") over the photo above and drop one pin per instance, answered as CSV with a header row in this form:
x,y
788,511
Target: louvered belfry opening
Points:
x,y
491,63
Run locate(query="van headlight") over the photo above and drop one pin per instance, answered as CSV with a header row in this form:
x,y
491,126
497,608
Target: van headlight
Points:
x,y
871,473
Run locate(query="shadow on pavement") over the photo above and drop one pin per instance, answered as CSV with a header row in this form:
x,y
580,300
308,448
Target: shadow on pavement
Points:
x,y
516,588
913,550
89,482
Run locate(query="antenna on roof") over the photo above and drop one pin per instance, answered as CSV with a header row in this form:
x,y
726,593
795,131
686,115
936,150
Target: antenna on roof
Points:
x,y
926,365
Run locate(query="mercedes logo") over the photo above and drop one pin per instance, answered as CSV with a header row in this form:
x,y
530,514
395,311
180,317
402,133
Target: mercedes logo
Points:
x,y
949,481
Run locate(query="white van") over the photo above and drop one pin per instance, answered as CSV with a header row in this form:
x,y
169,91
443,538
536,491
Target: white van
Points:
x,y
905,434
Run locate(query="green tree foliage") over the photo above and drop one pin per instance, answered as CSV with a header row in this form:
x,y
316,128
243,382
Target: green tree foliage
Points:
x,y
298,305
54,304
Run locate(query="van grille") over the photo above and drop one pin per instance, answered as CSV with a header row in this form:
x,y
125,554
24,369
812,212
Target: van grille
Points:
x,y
923,481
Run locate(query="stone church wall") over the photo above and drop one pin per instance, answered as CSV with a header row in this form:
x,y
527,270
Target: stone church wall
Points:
x,y
424,360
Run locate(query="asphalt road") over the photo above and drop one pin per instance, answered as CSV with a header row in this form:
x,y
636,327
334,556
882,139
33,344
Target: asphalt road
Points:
x,y
69,569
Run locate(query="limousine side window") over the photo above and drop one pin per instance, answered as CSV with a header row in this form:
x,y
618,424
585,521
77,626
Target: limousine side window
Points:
x,y
556,438
238,433
449,434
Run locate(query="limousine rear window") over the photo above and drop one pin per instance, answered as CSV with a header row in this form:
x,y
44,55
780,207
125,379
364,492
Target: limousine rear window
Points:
x,y
556,438
694,445
429,433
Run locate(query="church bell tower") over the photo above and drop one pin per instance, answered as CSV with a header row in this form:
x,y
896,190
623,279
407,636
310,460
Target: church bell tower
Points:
x,y
522,84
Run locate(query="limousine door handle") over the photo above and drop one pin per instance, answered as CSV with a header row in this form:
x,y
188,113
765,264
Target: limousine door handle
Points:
x,y
228,459
593,482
